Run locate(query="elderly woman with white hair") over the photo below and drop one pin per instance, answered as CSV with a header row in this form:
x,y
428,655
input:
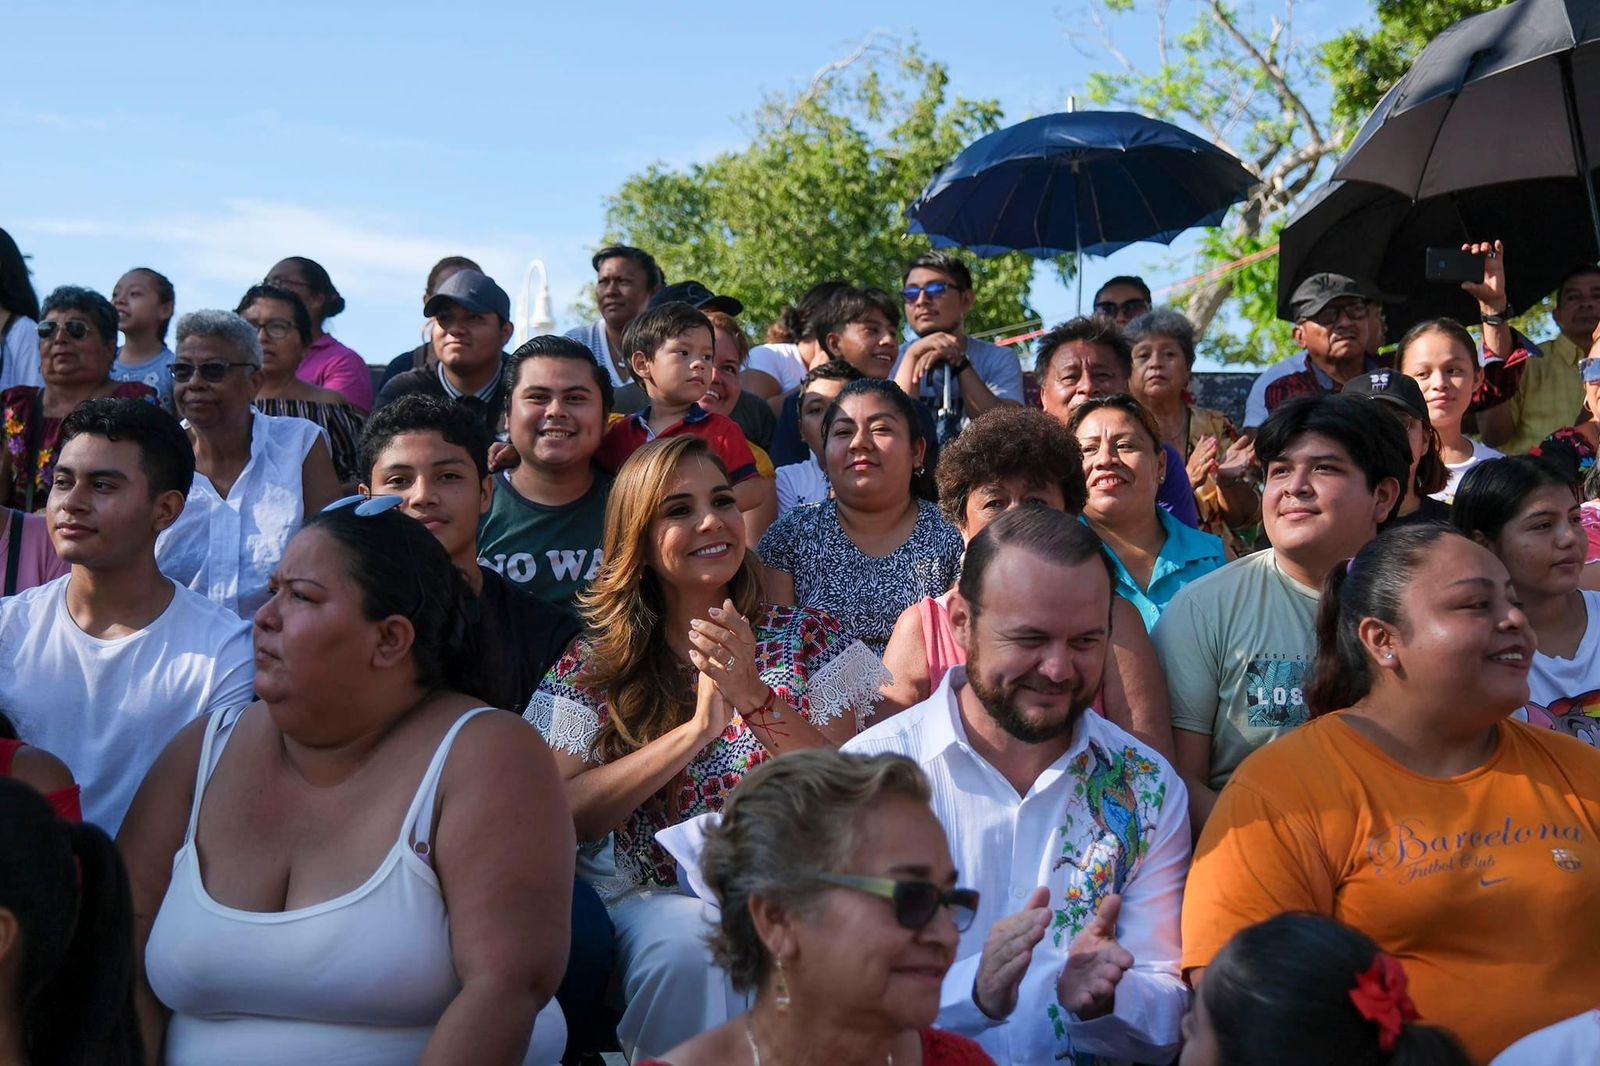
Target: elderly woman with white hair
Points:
x,y
256,476
1219,459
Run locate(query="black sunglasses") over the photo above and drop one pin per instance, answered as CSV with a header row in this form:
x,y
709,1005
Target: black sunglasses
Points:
x,y
1134,306
915,902
76,328
213,371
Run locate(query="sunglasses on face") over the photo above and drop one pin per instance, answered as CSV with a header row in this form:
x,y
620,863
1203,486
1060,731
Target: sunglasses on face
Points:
x,y
76,328
915,902
1591,370
933,290
213,371
1329,317
1110,309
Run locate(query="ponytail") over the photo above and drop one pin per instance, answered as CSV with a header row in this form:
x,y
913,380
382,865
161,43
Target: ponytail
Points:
x,y
1306,975
68,889
1372,585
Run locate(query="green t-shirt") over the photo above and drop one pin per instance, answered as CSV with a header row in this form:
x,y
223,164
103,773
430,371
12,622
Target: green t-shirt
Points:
x,y
551,552
1236,646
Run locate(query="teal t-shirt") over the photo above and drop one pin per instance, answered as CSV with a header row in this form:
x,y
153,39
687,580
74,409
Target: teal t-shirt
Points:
x,y
551,552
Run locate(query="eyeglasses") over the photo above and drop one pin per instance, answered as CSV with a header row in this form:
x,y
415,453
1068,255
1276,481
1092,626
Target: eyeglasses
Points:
x,y
915,902
76,328
366,506
1329,316
1110,309
933,290
274,328
213,371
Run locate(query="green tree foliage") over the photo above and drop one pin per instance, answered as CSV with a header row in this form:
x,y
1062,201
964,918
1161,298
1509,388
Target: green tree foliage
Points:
x,y
1363,66
821,192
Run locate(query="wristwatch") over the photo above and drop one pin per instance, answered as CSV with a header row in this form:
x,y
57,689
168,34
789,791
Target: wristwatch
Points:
x,y
1498,318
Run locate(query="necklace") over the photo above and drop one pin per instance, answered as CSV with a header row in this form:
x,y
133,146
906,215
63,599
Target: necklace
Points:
x,y
755,1050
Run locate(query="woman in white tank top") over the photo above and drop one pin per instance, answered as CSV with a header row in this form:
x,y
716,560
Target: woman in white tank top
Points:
x,y
365,866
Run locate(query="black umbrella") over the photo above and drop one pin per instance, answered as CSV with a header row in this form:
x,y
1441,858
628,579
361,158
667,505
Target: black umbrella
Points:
x,y
1370,232
1509,95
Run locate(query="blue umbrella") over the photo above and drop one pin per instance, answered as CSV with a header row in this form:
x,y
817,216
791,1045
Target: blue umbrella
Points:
x,y
1083,182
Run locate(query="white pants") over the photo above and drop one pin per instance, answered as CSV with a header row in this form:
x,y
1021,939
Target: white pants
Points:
x,y
671,989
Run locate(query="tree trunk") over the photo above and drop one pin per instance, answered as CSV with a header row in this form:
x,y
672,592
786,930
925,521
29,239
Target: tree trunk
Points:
x,y
1204,301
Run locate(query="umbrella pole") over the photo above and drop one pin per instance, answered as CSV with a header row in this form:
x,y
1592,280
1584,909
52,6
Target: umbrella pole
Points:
x,y
1579,150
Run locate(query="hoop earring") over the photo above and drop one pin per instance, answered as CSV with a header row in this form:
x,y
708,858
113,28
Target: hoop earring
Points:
x,y
782,998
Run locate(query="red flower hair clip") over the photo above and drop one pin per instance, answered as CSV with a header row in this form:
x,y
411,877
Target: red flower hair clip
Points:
x,y
1380,995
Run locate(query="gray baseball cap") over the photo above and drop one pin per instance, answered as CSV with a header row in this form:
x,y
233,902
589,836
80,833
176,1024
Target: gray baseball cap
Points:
x,y
472,290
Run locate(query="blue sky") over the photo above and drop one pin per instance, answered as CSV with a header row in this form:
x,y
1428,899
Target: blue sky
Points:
x,y
209,140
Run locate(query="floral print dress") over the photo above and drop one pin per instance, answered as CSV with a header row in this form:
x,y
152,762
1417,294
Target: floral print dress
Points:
x,y
801,652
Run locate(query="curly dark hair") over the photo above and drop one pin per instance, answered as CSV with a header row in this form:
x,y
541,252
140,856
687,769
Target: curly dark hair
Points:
x,y
1007,442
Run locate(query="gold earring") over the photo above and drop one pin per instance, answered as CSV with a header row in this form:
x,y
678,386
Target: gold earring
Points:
x,y
782,999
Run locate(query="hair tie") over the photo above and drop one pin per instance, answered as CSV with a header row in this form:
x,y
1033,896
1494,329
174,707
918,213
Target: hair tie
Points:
x,y
1380,996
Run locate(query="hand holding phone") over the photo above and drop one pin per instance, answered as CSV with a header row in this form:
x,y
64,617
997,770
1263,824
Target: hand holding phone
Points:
x,y
1451,264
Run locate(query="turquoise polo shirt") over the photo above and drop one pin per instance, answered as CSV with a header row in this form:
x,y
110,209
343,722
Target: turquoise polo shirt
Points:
x,y
1187,556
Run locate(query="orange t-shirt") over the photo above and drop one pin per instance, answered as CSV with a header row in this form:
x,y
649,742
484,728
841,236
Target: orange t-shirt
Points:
x,y
1486,886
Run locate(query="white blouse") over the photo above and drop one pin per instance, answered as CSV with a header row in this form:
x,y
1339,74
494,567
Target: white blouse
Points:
x,y
227,548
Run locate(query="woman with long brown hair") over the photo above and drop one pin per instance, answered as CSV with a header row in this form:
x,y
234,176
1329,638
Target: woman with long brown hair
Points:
x,y
684,682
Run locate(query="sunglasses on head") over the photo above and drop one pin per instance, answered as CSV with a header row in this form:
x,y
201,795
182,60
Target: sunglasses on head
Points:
x,y
915,902
213,371
76,328
366,506
1110,309
933,290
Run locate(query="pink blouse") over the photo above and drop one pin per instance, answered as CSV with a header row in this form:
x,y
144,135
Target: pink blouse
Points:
x,y
38,562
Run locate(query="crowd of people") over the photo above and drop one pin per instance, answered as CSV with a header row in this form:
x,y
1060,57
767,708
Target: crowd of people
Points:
x,y
851,697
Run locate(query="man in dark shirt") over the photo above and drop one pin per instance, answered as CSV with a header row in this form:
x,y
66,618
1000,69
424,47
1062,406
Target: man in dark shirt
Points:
x,y
471,325
433,452
421,357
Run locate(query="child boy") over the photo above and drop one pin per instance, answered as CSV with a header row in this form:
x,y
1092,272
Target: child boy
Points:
x,y
433,453
671,350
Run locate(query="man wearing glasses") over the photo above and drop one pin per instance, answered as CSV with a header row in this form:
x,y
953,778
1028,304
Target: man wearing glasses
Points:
x,y
1338,323
1122,299
1075,834
957,375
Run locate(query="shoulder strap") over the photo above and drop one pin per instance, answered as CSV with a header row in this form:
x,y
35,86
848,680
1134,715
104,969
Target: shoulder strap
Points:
x,y
218,730
5,331
13,553
419,820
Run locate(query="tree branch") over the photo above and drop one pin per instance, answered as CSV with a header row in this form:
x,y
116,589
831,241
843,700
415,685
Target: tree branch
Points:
x,y
819,81
1273,72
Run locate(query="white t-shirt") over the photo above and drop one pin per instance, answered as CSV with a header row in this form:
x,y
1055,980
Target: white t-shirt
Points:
x,y
781,361
107,708
19,358
1564,694
801,483
1481,452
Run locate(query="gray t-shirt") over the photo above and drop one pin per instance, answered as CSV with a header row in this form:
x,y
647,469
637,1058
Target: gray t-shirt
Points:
x,y
1236,646
157,373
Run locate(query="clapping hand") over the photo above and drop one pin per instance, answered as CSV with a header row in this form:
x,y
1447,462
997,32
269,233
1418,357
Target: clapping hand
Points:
x,y
1095,965
1007,953
723,648
1235,464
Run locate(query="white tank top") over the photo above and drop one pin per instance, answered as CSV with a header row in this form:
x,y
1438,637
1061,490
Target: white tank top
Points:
x,y
358,980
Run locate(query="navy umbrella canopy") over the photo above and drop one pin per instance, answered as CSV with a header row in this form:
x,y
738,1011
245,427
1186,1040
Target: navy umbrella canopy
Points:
x,y
1081,181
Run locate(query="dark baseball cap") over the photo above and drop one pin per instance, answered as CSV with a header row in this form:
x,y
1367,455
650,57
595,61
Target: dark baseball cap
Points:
x,y
1320,290
1390,387
697,296
472,290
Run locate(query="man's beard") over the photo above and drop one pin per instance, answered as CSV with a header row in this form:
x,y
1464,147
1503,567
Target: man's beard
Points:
x,y
1001,703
